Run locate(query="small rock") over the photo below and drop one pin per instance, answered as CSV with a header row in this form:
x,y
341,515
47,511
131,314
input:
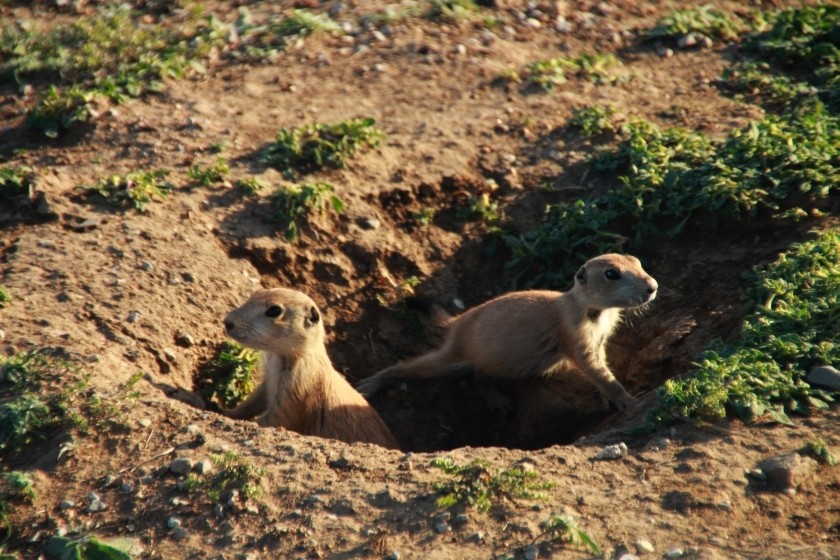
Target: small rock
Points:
x,y
127,488
443,528
826,377
203,467
612,452
757,474
462,518
146,266
133,316
461,50
626,556
674,553
369,222
665,52
705,42
95,504
509,158
788,471
181,465
185,340
173,522
67,504
219,510
144,422
179,533
379,36
87,225
687,41
533,23
314,500
393,556
643,546
532,552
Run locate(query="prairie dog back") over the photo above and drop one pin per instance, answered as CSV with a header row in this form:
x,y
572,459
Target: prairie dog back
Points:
x,y
539,332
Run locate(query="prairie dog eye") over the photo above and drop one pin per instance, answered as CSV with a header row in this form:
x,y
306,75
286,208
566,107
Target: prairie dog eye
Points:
x,y
612,274
274,311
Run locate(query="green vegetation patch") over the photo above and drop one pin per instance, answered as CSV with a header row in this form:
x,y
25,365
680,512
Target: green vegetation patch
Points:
x,y
670,175
321,145
804,41
16,181
59,111
234,474
564,529
44,392
819,450
15,486
5,297
110,51
206,176
134,190
451,10
295,203
794,325
756,81
480,486
707,20
549,73
593,120
264,40
230,376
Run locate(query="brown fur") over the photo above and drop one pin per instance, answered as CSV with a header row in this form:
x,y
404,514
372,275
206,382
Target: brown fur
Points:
x,y
300,390
539,332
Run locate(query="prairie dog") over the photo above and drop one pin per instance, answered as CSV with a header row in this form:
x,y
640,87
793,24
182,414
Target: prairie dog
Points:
x,y
538,332
300,390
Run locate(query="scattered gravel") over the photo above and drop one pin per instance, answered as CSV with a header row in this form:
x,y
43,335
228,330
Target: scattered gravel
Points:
x,y
612,452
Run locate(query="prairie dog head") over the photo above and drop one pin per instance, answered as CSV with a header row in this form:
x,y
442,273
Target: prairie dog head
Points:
x,y
280,321
614,280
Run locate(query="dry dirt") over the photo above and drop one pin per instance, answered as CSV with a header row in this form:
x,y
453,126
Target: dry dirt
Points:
x,y
120,291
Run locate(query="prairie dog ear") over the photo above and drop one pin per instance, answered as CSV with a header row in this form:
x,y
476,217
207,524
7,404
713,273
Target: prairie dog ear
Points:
x,y
581,275
313,317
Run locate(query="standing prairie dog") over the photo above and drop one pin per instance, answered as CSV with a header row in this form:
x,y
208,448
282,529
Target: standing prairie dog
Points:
x,y
538,332
300,390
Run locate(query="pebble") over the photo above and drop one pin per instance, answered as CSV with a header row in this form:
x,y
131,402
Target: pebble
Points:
x,y
824,376
203,467
789,470
393,556
127,488
644,546
95,504
562,25
369,222
532,552
461,49
173,522
687,41
219,510
185,340
133,316
705,42
626,556
146,266
674,553
665,53
2,334
533,23
379,36
443,528
67,504
181,465
144,422
179,533
462,518
612,452
509,158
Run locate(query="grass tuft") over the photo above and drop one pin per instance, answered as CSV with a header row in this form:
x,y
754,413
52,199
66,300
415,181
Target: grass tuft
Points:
x,y
793,325
549,73
230,377
295,203
317,145
16,181
134,190
564,528
206,176
235,475
478,485
59,111
5,297
593,120
707,20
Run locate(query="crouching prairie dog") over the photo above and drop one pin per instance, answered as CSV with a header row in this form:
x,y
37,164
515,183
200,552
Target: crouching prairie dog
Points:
x,y
538,332
300,389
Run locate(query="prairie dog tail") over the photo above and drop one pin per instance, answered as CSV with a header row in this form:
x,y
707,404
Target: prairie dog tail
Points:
x,y
439,316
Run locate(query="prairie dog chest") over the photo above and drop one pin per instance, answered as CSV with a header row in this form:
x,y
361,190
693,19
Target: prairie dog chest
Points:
x,y
273,368
598,326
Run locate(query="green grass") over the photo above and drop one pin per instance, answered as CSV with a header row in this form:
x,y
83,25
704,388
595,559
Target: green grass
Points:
x,y
804,41
819,450
549,73
480,486
110,51
481,208
264,40
451,11
756,81
234,473
707,20
134,190
564,529
59,111
45,393
16,181
250,185
315,146
593,120
5,297
207,176
230,376
294,204
794,324
670,175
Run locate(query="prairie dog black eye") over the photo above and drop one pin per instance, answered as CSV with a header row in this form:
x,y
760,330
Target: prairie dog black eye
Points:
x,y
612,274
274,311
